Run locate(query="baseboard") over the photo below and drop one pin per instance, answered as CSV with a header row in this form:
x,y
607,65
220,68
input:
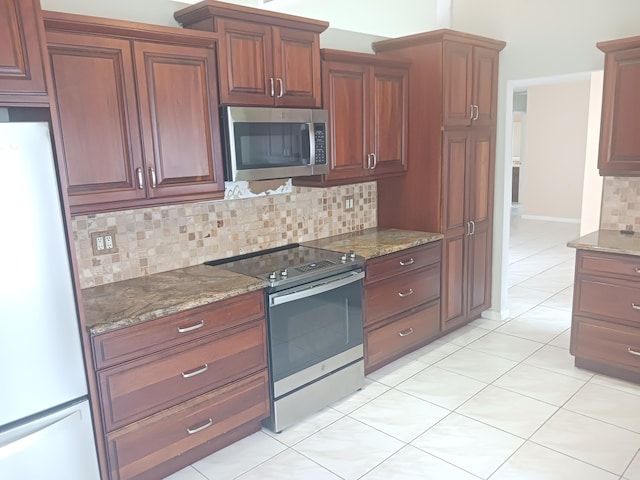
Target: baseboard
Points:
x,y
551,219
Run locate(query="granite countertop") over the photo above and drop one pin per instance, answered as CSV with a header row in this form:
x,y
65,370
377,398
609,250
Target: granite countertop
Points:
x,y
375,242
610,241
121,304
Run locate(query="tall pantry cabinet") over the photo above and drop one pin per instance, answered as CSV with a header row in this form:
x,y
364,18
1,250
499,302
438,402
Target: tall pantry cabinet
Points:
x,y
453,85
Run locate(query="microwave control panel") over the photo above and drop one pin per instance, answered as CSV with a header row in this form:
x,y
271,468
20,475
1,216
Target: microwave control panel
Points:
x,y
321,143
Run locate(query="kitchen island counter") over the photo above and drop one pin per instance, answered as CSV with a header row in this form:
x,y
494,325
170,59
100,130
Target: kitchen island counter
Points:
x,y
375,242
608,241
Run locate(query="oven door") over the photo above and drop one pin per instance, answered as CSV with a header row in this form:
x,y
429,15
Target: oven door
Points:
x,y
315,329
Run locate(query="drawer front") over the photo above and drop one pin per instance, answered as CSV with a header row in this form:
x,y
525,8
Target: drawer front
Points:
x,y
608,264
401,293
158,440
616,345
402,262
149,337
401,335
617,300
142,387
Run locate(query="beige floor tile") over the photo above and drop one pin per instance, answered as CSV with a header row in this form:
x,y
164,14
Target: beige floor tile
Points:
x,y
557,360
289,465
506,346
477,365
310,425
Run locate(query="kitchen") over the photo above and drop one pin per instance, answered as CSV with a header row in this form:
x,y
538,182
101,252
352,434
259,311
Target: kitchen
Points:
x,y
194,236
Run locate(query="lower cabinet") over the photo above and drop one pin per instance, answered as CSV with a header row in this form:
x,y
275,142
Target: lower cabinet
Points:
x,y
605,325
401,303
194,382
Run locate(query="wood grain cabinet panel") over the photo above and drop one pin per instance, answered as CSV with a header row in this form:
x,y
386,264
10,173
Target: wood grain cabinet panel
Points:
x,y
175,389
367,101
619,153
139,119
605,324
401,303
22,69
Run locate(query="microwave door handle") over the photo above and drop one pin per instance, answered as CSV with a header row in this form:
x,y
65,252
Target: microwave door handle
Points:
x,y
312,143
314,290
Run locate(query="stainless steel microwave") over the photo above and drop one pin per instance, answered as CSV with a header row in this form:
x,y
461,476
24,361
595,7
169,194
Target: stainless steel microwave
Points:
x,y
267,143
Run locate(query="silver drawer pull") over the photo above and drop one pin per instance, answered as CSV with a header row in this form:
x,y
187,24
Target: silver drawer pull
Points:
x,y
407,293
191,431
193,373
635,306
191,328
408,262
406,333
633,352
637,269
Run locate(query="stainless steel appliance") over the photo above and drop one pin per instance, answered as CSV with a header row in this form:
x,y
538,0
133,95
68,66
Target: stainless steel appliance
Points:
x,y
314,318
265,143
45,422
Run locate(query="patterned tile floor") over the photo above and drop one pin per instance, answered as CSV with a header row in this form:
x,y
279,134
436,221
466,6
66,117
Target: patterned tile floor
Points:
x,y
493,400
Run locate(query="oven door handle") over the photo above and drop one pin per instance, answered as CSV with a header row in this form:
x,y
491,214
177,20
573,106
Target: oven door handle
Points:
x,y
315,288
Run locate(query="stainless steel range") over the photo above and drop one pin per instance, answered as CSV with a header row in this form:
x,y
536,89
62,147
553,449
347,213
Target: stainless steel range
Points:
x,y
314,319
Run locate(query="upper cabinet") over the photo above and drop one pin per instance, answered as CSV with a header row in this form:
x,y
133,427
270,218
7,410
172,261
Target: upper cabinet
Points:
x,y
470,79
619,140
265,58
367,100
22,72
137,111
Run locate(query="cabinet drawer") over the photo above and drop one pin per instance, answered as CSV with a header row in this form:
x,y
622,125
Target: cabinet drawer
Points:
x,y
616,345
149,337
158,440
146,386
608,264
618,300
401,293
402,262
400,335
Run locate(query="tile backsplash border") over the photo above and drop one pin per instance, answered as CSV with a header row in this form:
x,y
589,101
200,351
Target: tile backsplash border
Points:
x,y
157,239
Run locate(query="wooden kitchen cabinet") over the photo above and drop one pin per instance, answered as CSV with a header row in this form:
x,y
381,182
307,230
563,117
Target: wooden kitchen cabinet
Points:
x,y
265,58
619,153
367,100
175,389
401,303
139,118
466,281
448,187
22,69
605,325
469,85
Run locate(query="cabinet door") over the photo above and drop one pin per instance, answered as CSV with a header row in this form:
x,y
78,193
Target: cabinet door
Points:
x,y
21,62
485,86
246,61
456,150
178,113
94,86
388,120
457,84
346,96
296,69
619,139
480,208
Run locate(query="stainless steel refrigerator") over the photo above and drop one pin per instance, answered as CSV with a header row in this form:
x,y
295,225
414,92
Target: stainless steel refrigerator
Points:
x,y
45,424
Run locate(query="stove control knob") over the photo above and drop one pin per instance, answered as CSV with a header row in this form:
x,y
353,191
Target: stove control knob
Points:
x,y
352,255
272,276
284,273
343,258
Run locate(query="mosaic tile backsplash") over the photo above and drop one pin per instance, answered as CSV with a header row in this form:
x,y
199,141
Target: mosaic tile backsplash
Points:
x,y
158,239
620,204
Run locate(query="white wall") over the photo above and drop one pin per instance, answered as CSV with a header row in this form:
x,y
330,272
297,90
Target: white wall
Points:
x,y
555,150
544,38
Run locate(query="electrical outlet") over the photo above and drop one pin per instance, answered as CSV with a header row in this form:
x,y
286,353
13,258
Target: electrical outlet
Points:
x,y
104,242
348,203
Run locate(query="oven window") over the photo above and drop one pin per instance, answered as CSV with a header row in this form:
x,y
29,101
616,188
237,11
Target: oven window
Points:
x,y
307,331
268,145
